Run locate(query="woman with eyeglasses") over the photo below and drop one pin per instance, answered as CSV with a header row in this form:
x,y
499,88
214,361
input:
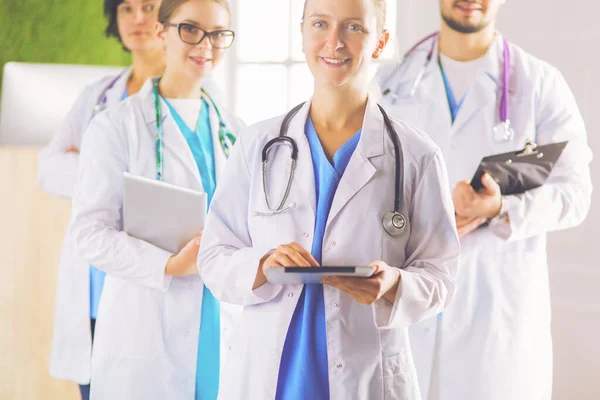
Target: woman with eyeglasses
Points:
x,y
132,23
159,330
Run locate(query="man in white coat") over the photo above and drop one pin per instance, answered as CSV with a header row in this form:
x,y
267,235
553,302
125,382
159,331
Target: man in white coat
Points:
x,y
494,341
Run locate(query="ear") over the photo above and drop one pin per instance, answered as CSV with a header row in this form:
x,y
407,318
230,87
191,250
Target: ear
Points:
x,y
160,31
302,34
381,43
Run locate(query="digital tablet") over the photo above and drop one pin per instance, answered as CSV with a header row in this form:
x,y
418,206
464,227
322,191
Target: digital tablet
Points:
x,y
160,213
302,275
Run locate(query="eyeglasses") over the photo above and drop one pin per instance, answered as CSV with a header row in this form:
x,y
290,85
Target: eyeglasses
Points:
x,y
191,34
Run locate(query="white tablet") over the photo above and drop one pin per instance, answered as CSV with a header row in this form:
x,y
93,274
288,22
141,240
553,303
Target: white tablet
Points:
x,y
301,275
166,215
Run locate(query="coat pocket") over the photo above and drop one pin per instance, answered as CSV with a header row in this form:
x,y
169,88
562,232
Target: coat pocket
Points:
x,y
398,382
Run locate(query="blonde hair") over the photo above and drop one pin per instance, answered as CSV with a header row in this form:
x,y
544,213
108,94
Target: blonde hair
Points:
x,y
168,8
381,7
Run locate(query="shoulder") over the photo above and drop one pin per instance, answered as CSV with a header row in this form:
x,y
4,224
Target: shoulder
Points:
x,y
416,144
255,135
530,72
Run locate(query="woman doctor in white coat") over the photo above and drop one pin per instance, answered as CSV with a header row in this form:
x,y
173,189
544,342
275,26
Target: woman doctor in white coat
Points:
x,y
155,315
79,286
346,339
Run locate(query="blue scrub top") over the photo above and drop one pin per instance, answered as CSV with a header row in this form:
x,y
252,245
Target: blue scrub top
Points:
x,y
97,276
452,104
200,143
303,373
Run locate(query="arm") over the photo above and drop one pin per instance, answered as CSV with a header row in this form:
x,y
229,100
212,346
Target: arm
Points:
x,y
227,262
426,283
564,200
57,167
97,208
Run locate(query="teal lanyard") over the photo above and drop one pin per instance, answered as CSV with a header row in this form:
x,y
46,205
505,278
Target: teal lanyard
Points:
x,y
226,137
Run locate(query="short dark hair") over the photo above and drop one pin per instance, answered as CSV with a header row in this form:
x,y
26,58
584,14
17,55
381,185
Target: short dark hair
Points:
x,y
110,12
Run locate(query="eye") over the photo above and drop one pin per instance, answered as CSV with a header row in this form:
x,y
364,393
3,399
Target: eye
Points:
x,y
319,24
125,9
149,8
355,28
189,28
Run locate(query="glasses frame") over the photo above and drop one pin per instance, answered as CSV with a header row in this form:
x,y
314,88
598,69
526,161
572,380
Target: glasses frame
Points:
x,y
210,35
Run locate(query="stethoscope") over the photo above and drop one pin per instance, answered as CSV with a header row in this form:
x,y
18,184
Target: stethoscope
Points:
x,y
502,131
102,99
226,137
393,222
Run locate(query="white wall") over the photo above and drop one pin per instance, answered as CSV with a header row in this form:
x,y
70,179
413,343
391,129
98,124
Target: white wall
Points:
x,y
567,35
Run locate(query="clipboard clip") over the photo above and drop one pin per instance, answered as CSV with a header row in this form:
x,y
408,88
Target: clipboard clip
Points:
x,y
529,149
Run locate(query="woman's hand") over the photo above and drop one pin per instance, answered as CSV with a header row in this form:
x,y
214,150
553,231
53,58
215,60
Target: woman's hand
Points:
x,y
285,255
184,263
383,283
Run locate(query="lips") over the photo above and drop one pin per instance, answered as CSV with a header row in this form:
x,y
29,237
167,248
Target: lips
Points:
x,y
468,6
200,60
336,61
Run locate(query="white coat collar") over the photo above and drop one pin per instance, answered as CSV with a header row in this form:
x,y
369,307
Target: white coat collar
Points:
x,y
114,94
359,170
177,142
483,90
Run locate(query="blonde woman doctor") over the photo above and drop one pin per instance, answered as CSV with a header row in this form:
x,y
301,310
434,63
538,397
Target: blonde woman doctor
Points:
x,y
159,330
317,191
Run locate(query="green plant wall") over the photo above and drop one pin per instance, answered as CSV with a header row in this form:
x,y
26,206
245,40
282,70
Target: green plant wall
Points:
x,y
56,31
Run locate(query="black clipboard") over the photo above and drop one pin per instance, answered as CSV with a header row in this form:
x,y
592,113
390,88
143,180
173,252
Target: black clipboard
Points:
x,y
519,171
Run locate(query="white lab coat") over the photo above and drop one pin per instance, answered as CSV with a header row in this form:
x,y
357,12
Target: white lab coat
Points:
x,y
494,341
57,173
368,350
148,323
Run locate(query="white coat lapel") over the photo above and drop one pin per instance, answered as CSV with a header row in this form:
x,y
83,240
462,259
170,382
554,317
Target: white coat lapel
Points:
x,y
304,176
220,159
360,170
174,142
484,90
115,93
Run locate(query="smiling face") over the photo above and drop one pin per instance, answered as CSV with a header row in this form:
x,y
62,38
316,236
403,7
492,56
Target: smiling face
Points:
x,y
469,16
340,38
135,21
194,61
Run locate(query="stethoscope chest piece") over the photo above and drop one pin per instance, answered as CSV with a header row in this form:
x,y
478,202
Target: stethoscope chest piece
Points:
x,y
503,132
394,223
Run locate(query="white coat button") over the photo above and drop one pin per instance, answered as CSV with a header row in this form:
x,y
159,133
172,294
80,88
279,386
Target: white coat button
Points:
x,y
290,294
336,305
339,365
332,243
305,234
186,334
191,286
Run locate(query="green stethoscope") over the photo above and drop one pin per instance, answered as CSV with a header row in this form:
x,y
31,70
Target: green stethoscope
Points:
x,y
226,137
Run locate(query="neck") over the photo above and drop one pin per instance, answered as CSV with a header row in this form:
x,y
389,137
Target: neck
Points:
x,y
145,64
338,109
178,86
465,46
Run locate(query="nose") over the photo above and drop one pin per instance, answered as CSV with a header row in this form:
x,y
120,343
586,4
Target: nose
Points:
x,y
205,43
334,38
139,16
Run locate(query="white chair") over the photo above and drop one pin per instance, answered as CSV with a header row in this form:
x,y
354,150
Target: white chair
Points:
x,y
37,97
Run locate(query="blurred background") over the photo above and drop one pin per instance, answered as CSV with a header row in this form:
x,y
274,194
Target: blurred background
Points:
x,y
263,75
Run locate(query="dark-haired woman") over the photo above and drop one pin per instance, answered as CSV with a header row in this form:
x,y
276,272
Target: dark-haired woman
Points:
x,y
160,331
132,22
